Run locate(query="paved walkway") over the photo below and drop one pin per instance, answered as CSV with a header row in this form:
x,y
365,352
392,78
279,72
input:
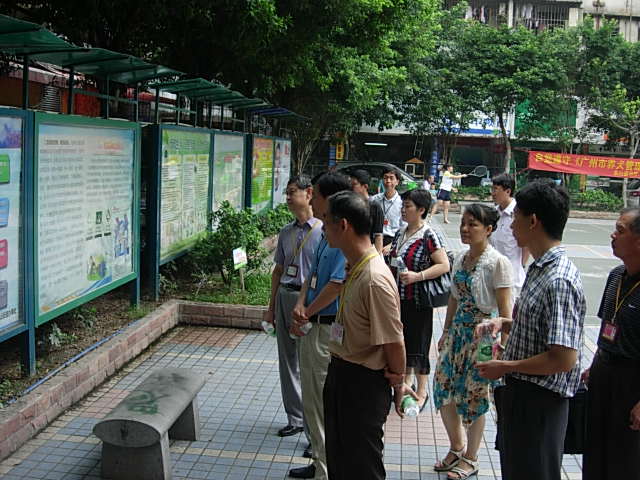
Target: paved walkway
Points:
x,y
241,411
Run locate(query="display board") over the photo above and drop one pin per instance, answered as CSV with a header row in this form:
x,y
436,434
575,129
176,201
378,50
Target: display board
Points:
x,y
86,236
11,149
228,170
281,170
184,189
262,173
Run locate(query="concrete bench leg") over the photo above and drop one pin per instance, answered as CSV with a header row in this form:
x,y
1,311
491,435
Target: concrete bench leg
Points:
x,y
187,425
145,463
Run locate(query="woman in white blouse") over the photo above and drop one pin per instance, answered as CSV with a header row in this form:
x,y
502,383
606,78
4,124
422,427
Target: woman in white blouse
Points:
x,y
481,288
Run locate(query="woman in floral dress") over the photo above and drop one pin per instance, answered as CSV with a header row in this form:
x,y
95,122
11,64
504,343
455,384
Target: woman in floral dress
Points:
x,y
482,281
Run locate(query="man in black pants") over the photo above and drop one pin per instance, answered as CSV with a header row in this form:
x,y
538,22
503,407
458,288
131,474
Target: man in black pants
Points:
x,y
366,345
541,362
613,408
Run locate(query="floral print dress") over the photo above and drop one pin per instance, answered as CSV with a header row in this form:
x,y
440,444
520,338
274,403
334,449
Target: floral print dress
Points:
x,y
456,379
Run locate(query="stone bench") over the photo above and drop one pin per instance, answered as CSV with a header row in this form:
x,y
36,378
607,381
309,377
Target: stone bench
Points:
x,y
135,434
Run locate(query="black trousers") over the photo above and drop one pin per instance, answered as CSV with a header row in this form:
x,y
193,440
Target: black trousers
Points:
x,y
533,422
356,405
611,449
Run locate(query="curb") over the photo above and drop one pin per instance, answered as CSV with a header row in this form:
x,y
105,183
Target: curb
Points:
x,y
30,414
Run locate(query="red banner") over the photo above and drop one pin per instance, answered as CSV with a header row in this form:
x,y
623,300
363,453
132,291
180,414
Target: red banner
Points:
x,y
585,164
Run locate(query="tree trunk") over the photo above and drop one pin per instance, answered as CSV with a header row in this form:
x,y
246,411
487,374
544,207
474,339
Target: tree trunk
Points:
x,y
507,143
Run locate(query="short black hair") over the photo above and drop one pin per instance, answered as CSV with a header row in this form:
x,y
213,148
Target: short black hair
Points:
x,y
353,208
392,170
420,197
488,216
550,203
332,182
301,181
634,226
505,181
361,176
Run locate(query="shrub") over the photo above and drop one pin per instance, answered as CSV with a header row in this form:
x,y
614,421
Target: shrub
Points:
x,y
465,192
233,229
597,200
271,221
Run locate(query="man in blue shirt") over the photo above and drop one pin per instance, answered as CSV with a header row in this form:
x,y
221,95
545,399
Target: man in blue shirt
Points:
x,y
318,304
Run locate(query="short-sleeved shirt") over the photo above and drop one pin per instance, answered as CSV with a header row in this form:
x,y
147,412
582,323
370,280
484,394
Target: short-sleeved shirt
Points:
x,y
504,241
290,238
391,213
377,220
627,321
415,252
549,311
328,264
370,315
447,182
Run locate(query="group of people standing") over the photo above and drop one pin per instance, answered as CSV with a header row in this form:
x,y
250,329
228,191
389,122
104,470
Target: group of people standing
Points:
x,y
355,268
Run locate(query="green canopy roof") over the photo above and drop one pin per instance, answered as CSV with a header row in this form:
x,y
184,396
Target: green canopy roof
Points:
x,y
204,90
18,37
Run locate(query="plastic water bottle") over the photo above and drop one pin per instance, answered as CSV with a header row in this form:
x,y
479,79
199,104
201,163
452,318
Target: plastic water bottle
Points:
x,y
304,328
409,406
485,348
268,328
401,266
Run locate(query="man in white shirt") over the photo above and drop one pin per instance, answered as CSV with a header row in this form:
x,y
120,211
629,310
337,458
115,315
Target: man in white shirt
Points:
x,y
502,239
391,204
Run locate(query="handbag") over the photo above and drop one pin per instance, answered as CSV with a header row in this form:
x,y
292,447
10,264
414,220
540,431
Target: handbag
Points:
x,y
435,291
576,426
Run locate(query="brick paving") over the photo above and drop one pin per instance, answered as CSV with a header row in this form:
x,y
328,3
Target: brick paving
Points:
x,y
240,413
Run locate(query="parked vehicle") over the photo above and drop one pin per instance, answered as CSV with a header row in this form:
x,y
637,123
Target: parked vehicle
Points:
x,y
375,169
633,193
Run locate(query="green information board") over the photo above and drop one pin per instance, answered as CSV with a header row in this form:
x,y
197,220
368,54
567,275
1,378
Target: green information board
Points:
x,y
184,190
262,174
86,174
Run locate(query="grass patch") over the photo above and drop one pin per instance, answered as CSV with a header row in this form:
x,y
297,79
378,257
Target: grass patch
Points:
x,y
257,291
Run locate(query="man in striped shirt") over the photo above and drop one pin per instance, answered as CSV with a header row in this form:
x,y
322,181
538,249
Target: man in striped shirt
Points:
x,y
541,362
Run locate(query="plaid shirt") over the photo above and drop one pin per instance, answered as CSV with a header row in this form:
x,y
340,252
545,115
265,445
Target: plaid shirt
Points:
x,y
549,311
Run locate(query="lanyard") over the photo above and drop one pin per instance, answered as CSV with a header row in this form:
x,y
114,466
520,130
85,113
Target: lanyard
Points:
x,y
405,240
319,255
391,202
355,271
620,302
304,240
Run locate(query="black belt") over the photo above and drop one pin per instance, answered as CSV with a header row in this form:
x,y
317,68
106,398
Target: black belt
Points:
x,y
322,319
291,286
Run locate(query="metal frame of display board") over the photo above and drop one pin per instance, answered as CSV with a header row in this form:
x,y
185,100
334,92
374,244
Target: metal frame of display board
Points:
x,y
133,277
26,327
249,169
153,151
216,133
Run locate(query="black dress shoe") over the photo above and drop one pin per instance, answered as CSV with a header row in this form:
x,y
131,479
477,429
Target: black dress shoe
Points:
x,y
289,430
308,453
303,472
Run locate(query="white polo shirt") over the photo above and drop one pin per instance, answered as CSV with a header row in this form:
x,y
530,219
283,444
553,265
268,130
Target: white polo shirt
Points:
x,y
504,241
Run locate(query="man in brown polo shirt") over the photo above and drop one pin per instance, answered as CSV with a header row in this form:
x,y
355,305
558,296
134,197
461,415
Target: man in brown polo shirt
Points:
x,y
366,345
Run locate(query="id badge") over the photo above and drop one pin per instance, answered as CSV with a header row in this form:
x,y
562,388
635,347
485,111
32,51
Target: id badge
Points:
x,y
292,270
314,281
386,222
337,333
609,332
394,262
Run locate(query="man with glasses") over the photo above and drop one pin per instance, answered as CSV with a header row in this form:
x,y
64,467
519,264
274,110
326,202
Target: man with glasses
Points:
x,y
297,242
391,204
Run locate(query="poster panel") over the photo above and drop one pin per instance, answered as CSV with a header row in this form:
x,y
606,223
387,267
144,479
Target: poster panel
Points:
x,y
184,188
85,183
262,174
281,171
228,170
11,136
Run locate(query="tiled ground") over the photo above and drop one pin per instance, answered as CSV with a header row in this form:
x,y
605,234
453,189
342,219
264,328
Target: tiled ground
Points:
x,y
241,411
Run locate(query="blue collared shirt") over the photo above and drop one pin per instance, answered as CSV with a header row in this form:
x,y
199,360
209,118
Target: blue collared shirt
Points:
x,y
549,311
290,238
328,264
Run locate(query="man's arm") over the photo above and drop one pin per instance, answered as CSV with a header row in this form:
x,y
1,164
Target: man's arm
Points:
x,y
276,275
395,356
327,295
555,360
